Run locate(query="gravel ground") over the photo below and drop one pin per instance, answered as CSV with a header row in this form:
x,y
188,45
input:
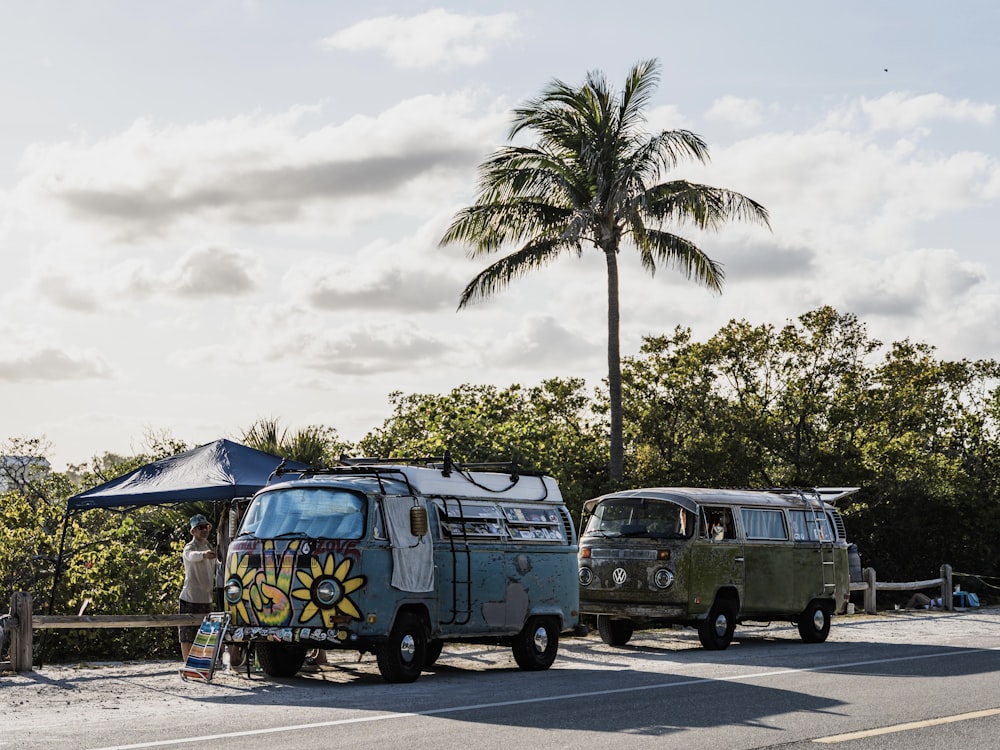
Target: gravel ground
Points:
x,y
61,692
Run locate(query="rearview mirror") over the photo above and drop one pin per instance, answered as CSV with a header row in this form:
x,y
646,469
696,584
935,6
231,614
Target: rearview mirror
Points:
x,y
418,521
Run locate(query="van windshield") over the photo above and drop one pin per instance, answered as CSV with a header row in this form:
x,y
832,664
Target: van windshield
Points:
x,y
640,517
313,512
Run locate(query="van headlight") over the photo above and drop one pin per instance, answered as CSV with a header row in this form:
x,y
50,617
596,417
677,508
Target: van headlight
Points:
x,y
663,578
327,592
234,591
586,576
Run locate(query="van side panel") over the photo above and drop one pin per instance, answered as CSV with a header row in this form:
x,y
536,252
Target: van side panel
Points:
x,y
771,571
713,566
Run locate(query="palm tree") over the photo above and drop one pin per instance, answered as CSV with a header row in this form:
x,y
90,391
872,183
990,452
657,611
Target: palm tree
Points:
x,y
592,179
314,445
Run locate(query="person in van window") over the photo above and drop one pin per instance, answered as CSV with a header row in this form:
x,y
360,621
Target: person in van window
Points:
x,y
718,532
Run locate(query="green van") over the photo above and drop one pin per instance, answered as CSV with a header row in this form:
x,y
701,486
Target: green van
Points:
x,y
713,558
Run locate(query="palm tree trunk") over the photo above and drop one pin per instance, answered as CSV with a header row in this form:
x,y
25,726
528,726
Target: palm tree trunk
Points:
x,y
616,468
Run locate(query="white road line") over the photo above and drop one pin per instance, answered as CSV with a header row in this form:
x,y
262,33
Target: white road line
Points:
x,y
535,700
905,727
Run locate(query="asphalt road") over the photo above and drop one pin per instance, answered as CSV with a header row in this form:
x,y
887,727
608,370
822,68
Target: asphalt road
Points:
x,y
911,680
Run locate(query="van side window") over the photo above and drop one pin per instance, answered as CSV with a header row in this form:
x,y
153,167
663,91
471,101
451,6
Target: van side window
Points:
x,y
811,527
718,524
763,524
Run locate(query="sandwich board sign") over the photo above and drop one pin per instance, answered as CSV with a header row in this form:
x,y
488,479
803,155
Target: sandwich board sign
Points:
x,y
200,664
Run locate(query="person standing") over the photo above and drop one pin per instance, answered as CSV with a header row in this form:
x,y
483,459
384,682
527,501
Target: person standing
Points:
x,y
200,562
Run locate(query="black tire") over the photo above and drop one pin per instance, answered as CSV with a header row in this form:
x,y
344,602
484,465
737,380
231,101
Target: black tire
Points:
x,y
401,657
434,647
280,659
814,622
716,631
536,645
614,632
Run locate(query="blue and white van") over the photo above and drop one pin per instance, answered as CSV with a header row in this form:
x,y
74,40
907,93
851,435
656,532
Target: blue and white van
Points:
x,y
397,559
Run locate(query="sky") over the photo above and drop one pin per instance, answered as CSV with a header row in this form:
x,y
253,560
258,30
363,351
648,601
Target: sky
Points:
x,y
216,212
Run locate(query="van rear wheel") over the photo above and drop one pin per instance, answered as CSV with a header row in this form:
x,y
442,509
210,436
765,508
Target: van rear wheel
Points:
x,y
401,657
814,622
614,632
536,645
716,631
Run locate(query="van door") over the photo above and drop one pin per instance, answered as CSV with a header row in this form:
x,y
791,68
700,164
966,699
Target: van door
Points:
x,y
815,566
716,559
770,563
469,560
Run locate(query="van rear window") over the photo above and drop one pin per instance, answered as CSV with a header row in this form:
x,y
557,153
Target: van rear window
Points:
x,y
809,526
763,524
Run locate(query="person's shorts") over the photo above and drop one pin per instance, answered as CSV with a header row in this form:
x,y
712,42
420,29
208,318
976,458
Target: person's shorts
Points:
x,y
186,633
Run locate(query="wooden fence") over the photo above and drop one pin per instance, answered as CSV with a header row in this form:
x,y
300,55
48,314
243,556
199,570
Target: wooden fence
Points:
x,y
24,623
871,586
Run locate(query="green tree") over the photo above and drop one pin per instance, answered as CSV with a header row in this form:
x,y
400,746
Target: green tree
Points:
x,y
593,178
550,428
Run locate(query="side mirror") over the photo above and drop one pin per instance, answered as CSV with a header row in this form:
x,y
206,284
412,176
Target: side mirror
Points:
x,y
418,521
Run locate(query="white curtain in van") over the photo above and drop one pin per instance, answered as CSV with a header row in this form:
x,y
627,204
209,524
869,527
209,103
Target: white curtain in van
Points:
x,y
412,557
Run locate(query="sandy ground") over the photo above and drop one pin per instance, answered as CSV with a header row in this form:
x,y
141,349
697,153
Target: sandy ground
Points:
x,y
61,691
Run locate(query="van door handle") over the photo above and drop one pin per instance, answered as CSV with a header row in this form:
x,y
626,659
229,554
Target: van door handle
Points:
x,y
738,559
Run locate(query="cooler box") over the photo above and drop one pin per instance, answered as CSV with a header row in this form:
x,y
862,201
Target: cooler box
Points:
x,y
965,599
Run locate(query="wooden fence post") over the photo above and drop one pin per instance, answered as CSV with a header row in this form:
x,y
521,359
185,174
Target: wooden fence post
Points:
x,y
20,641
947,598
869,575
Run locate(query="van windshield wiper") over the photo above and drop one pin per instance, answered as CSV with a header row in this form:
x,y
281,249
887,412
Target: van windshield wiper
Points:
x,y
291,535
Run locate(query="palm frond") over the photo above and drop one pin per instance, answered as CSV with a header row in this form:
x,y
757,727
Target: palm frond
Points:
x,y
488,227
519,263
682,255
707,207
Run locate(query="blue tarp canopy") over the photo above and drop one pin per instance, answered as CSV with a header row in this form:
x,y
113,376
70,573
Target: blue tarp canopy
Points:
x,y
222,470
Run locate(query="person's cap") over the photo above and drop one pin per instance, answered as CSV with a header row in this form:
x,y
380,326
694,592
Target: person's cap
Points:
x,y
198,520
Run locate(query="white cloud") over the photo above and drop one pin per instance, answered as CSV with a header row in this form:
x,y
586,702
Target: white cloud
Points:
x,y
375,348
51,364
258,170
212,271
544,341
667,117
904,111
746,113
435,39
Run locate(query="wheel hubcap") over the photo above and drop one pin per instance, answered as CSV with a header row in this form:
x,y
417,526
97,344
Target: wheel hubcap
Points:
x,y
407,648
819,619
541,639
721,625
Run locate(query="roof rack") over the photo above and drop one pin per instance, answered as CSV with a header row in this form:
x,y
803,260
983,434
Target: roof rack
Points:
x,y
826,494
445,463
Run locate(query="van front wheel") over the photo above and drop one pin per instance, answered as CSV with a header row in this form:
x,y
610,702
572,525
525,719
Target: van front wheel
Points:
x,y
536,645
814,623
614,632
716,631
280,659
402,656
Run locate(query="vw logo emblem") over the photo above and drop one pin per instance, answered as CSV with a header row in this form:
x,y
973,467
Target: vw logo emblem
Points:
x,y
619,576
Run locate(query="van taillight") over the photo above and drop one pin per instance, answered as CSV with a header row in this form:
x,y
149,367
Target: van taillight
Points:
x,y
585,552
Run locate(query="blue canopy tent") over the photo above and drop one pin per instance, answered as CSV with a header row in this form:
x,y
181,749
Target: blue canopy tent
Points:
x,y
221,471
